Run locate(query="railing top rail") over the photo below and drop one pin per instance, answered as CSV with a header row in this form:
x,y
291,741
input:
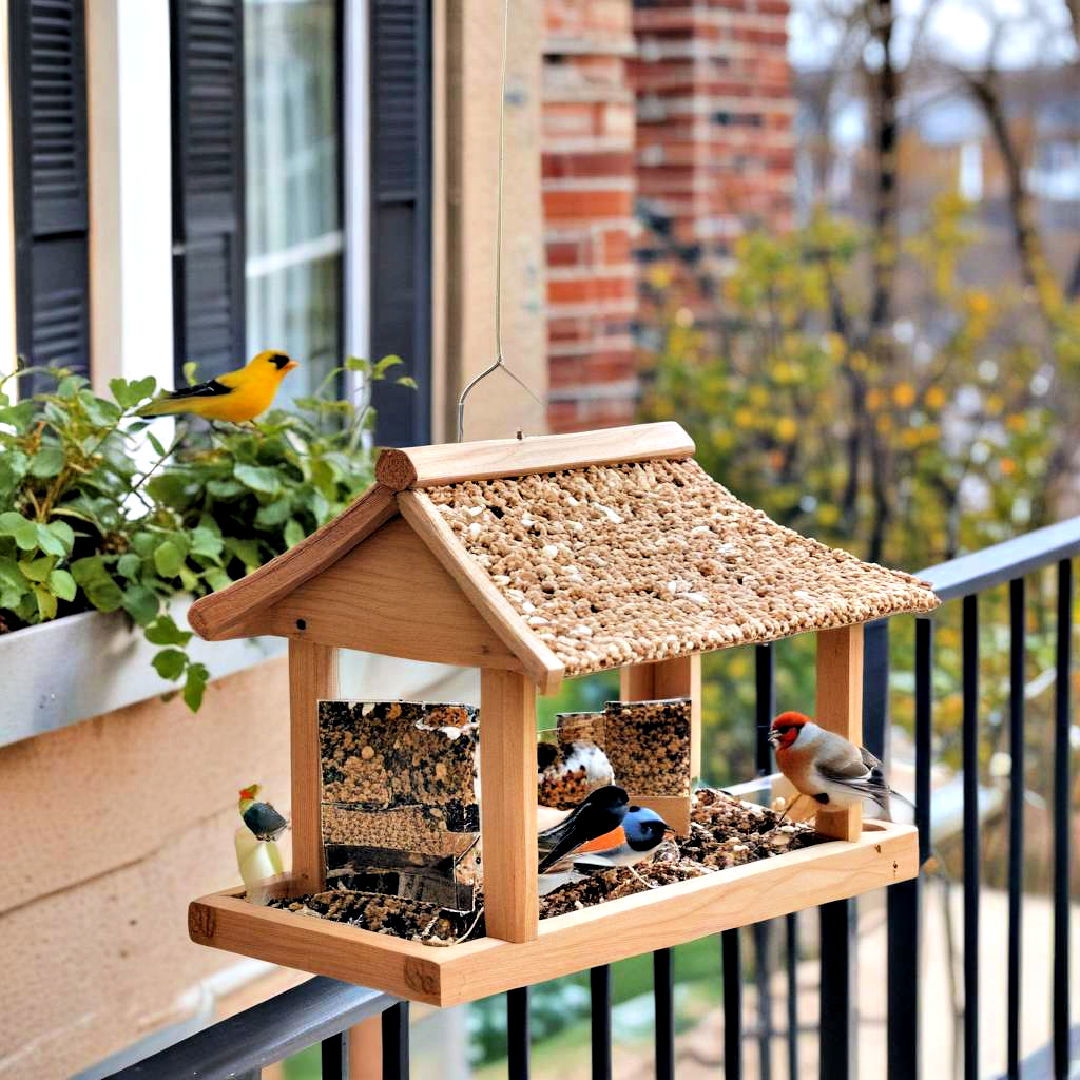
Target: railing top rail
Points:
x,y
266,1033
1005,561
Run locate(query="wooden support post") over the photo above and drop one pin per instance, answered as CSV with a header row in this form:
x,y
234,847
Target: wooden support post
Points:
x,y
839,709
508,805
312,675
365,1050
675,678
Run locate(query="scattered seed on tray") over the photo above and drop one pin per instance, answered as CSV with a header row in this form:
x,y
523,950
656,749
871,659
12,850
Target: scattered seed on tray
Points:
x,y
725,832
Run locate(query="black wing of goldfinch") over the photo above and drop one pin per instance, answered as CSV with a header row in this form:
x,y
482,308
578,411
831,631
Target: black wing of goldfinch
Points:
x,y
210,389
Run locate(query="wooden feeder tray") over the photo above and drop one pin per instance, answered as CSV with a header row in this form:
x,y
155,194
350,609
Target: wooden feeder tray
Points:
x,y
669,915
536,560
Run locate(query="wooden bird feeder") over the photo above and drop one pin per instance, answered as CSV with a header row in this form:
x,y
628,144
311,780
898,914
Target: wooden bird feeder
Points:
x,y
537,560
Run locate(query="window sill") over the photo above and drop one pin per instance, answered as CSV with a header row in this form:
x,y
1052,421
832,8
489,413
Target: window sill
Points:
x,y
61,672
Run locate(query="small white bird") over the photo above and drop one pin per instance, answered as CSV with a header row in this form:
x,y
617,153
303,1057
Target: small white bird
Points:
x,y
257,854
833,771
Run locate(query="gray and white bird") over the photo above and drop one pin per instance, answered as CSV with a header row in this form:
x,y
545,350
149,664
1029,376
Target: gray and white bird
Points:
x,y
832,770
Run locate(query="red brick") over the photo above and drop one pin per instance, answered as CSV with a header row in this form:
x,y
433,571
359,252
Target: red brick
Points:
x,y
586,163
570,205
617,246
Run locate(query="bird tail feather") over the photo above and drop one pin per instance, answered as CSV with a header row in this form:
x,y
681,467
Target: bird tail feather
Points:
x,y
162,407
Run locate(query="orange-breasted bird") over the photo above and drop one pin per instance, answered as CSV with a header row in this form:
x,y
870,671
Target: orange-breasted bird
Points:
x,y
237,396
597,814
641,832
829,768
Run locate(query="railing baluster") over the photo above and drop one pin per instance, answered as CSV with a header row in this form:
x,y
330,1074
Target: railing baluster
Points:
x,y
791,958
835,1027
1062,816
664,1013
902,900
876,688
1016,822
600,988
764,706
517,1033
335,1057
395,1042
924,703
729,949
764,710
760,935
972,861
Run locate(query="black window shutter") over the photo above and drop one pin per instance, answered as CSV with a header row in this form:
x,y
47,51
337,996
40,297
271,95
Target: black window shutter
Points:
x,y
400,43
208,184
48,126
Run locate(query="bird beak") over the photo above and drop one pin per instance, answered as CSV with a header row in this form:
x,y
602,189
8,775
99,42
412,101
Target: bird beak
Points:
x,y
774,738
290,365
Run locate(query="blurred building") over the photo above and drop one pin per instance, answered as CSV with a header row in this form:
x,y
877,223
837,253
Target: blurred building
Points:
x,y
667,131
946,146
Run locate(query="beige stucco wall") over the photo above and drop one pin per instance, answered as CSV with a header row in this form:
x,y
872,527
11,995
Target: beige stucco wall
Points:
x,y
467,104
110,828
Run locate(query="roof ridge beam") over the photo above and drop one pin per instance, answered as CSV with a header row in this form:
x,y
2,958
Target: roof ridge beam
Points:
x,y
452,463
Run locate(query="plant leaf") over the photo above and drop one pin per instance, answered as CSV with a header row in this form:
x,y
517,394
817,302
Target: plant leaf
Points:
x,y
170,663
63,584
195,686
141,604
46,603
258,477
48,461
380,367
294,532
167,559
128,566
164,631
37,570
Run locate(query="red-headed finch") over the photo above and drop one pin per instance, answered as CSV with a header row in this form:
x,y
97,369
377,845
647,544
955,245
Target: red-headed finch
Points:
x,y
831,770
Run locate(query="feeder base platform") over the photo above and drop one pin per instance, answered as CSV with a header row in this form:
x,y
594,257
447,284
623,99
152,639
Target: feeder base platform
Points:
x,y
670,915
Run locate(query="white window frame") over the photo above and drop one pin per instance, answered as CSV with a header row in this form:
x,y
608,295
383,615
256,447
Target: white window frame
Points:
x,y
129,94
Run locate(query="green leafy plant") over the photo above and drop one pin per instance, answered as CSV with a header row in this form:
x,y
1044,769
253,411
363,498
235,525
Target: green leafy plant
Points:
x,y
95,513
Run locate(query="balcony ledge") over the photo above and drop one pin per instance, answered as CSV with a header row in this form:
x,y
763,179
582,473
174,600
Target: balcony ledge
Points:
x,y
82,666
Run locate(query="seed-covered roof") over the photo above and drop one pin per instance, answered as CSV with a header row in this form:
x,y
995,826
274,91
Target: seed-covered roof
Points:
x,y
579,552
618,564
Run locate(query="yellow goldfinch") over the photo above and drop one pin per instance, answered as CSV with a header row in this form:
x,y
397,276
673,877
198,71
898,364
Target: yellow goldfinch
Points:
x,y
236,396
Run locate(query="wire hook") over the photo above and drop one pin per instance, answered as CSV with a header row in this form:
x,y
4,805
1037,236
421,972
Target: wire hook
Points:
x,y
500,361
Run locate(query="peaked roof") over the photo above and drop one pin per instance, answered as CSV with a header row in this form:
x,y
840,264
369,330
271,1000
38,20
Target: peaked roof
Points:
x,y
593,550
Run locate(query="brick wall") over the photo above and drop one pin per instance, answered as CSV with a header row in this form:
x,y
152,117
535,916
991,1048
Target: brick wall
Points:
x,y
588,185
715,144
685,108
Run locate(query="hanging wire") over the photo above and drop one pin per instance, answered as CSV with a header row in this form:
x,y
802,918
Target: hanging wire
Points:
x,y
500,361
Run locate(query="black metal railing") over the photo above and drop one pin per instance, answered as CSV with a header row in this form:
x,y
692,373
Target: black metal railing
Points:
x,y
323,1010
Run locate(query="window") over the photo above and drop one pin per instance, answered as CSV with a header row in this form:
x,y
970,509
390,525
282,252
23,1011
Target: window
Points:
x,y
295,238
